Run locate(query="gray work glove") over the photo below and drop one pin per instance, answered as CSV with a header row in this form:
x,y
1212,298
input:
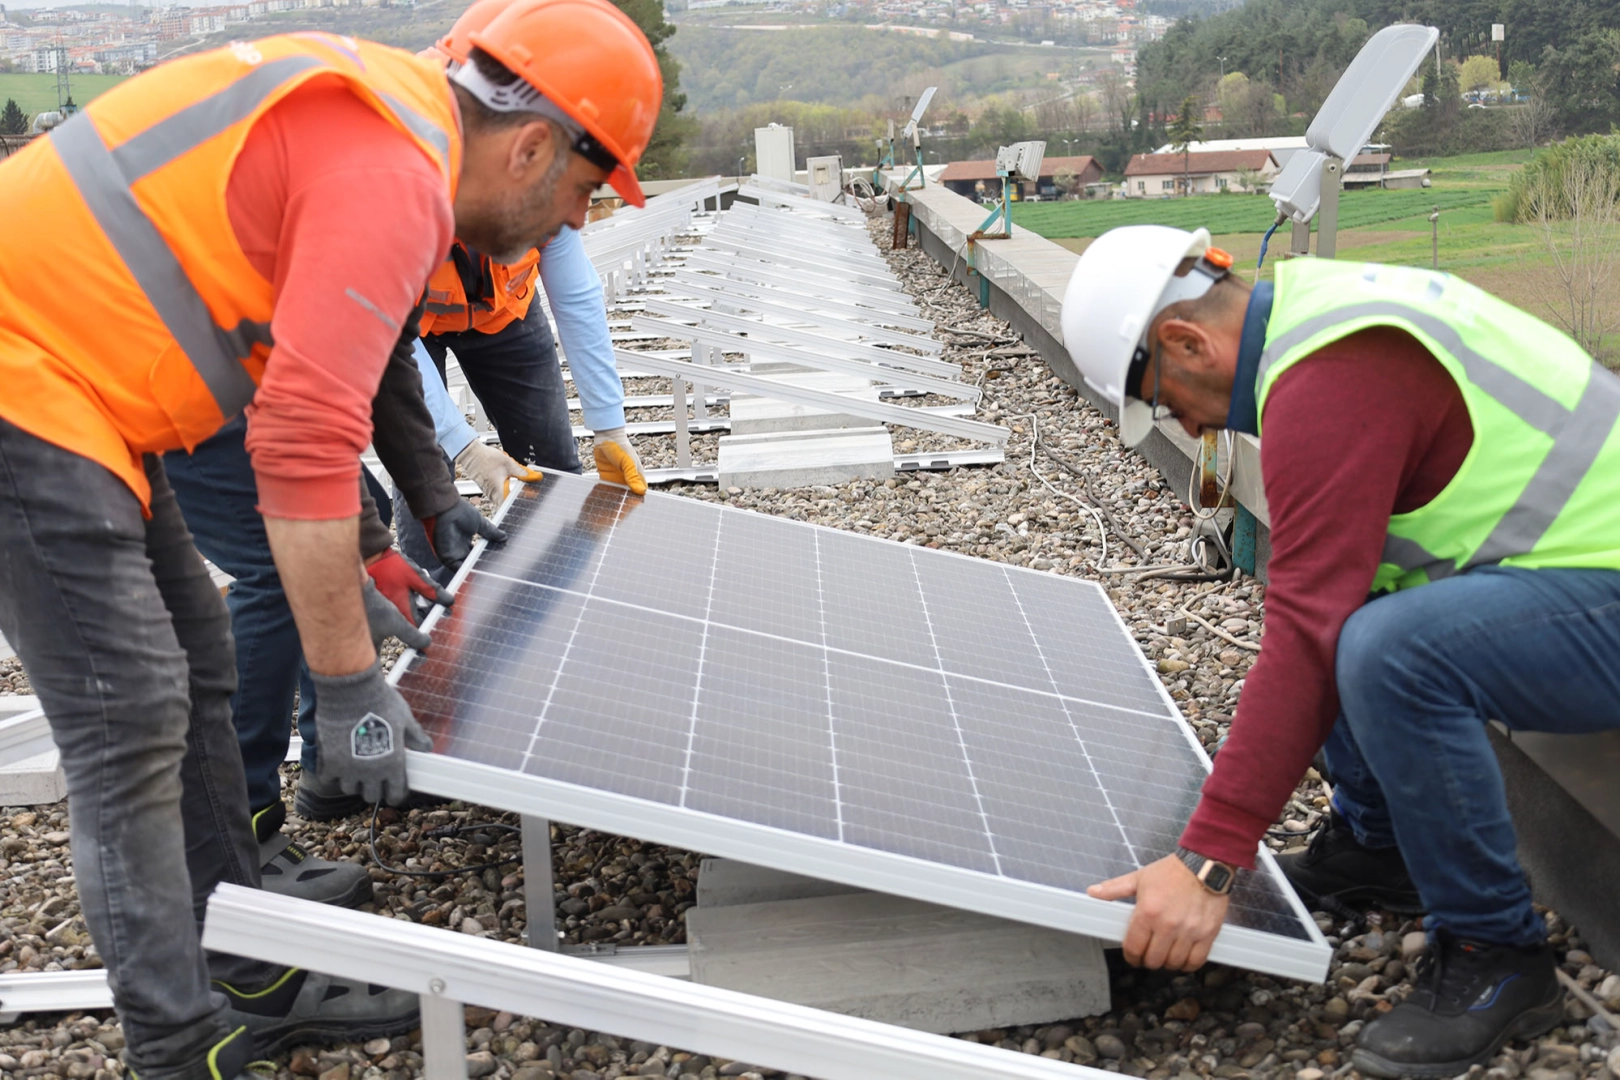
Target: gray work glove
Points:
x,y
364,728
388,621
451,533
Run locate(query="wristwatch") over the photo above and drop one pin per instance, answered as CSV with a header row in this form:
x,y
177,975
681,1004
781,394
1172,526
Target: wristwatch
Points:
x,y
1217,877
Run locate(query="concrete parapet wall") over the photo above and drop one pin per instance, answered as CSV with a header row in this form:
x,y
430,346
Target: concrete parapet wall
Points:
x,y
1022,279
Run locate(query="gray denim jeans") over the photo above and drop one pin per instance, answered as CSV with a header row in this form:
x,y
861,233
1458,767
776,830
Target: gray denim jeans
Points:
x,y
127,642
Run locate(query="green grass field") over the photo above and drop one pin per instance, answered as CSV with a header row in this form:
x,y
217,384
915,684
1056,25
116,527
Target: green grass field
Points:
x,y
1232,213
37,93
1512,261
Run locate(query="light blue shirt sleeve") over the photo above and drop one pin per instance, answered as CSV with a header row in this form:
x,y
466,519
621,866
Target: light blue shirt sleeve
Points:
x,y
449,426
575,292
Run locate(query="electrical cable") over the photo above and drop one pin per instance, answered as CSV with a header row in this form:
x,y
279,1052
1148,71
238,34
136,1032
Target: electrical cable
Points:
x,y
1225,485
1034,445
436,834
1266,240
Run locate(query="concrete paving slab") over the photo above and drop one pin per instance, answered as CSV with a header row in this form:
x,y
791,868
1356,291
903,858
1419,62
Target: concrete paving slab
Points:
x,y
753,414
727,882
790,459
898,961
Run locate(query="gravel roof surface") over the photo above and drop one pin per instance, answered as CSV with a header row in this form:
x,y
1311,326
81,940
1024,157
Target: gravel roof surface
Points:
x,y
1219,1022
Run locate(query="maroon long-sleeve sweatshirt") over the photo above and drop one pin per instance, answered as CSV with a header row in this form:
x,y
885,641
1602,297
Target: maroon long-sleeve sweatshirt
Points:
x,y
1368,427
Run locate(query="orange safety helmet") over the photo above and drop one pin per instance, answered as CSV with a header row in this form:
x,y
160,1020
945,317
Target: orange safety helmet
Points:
x,y
456,44
589,60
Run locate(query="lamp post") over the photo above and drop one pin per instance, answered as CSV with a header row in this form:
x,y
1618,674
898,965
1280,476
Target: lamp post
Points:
x,y
1434,223
740,159
1222,59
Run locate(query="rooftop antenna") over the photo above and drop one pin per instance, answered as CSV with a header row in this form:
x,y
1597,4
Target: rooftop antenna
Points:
x,y
1015,163
1309,184
914,133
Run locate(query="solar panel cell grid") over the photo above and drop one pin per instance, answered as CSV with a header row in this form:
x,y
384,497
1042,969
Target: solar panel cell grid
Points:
x,y
817,683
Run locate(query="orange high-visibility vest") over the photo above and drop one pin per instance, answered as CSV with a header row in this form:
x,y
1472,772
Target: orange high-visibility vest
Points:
x,y
447,308
131,322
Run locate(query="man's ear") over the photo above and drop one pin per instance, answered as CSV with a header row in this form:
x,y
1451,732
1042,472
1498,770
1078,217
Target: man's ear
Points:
x,y
532,148
1187,342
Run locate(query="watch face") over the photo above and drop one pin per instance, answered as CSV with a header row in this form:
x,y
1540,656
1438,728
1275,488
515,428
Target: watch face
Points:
x,y
1217,877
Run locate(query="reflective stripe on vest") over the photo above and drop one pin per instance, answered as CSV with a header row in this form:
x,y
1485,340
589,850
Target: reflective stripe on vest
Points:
x,y
1579,434
103,179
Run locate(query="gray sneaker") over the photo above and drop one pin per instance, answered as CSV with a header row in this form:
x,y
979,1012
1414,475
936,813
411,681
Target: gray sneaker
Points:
x,y
288,870
309,1007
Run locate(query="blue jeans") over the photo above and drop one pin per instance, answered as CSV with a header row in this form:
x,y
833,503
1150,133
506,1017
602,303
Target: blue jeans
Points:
x,y
128,645
1419,674
219,497
517,379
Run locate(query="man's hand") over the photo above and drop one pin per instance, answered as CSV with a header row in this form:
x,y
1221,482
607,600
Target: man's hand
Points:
x,y
492,470
1176,918
386,620
451,533
617,461
397,578
364,728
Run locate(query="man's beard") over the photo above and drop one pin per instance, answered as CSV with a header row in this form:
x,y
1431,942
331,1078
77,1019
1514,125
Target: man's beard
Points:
x,y
519,221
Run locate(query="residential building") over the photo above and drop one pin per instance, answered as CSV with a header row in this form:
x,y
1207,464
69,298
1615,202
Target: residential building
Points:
x,y
1158,176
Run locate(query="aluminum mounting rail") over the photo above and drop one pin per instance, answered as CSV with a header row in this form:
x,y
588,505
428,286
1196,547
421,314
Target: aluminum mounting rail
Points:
x,y
802,299
767,251
802,315
731,379
800,202
448,970
758,273
820,360
25,735
808,339
853,239
52,991
765,233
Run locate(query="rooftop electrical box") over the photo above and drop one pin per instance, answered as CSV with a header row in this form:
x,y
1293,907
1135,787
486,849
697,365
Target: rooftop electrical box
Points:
x,y
825,175
773,149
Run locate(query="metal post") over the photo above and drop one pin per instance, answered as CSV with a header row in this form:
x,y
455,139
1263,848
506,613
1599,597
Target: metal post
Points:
x,y
1434,225
539,895
1209,452
444,1036
683,424
1243,539
1300,240
1327,214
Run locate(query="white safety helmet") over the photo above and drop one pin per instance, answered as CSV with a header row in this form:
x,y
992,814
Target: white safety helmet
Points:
x,y
1124,279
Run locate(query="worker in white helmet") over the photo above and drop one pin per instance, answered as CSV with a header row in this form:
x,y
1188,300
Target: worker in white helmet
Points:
x,y
1442,473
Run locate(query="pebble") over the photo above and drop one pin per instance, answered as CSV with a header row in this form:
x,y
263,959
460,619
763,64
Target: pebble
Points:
x,y
1413,944
481,1063
1110,1046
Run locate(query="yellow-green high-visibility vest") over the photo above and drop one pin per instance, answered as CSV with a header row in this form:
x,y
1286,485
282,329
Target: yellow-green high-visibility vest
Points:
x,y
1540,486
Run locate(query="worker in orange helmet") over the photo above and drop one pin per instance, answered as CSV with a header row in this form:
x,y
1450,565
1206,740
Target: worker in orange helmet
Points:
x,y
255,224
484,312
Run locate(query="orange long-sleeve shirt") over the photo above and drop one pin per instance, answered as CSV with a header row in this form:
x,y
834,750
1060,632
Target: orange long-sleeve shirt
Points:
x,y
348,219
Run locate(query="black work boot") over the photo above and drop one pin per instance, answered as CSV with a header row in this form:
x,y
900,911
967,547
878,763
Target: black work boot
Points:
x,y
288,870
309,1007
1471,998
1336,873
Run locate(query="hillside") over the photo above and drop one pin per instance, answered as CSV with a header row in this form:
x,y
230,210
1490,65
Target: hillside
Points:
x,y
728,68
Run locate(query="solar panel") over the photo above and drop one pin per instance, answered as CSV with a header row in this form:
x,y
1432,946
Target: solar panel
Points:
x,y
904,719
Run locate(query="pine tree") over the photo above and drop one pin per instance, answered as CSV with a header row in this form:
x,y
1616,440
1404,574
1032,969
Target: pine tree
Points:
x,y
1183,133
13,121
665,156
